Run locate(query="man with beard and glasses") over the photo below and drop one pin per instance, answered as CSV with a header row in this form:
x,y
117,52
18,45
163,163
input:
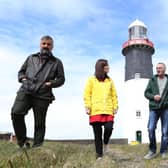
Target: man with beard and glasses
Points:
x,y
39,74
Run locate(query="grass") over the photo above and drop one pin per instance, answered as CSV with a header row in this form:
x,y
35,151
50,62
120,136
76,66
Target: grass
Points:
x,y
69,155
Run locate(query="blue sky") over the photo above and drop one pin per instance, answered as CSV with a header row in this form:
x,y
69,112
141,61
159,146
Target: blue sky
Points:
x,y
83,31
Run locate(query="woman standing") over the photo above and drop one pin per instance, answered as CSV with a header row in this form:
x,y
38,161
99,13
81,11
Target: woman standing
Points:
x,y
101,104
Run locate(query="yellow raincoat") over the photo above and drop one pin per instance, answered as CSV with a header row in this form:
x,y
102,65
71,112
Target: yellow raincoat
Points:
x,y
100,97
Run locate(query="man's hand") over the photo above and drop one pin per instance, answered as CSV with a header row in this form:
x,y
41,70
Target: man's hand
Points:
x,y
157,97
48,84
23,79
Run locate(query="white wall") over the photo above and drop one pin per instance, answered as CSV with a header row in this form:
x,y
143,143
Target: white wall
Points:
x,y
134,100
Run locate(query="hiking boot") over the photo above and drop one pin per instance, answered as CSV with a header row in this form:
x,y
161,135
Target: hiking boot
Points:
x,y
150,155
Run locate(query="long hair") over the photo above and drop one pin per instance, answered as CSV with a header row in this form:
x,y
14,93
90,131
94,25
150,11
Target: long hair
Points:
x,y
99,69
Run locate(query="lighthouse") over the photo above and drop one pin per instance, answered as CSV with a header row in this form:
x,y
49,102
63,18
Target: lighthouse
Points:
x,y
138,51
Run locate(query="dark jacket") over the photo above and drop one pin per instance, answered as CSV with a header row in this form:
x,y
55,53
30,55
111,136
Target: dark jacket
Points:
x,y
152,89
38,72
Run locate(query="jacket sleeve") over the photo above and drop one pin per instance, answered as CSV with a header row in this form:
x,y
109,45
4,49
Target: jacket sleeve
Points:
x,y
114,96
148,91
22,71
60,76
88,93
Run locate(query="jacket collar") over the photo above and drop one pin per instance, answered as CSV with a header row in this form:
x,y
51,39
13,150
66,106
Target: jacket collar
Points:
x,y
50,58
155,76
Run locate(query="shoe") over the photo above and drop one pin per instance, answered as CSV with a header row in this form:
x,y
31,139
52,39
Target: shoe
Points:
x,y
37,145
25,145
164,155
99,158
150,155
106,148
20,144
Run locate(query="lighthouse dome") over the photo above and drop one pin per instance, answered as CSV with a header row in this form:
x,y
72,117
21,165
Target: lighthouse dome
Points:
x,y
137,30
137,23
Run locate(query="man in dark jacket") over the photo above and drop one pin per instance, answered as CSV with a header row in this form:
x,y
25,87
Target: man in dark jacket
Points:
x,y
39,74
157,93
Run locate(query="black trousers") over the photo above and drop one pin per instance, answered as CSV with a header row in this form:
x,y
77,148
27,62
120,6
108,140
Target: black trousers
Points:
x,y
99,138
23,103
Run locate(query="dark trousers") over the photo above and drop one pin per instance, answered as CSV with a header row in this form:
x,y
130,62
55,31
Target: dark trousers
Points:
x,y
97,129
23,103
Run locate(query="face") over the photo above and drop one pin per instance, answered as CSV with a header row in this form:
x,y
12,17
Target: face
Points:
x,y
106,69
46,43
160,69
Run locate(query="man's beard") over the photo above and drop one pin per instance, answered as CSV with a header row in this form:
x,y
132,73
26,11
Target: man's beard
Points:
x,y
45,53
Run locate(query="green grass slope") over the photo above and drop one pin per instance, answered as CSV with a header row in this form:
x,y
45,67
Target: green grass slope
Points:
x,y
61,155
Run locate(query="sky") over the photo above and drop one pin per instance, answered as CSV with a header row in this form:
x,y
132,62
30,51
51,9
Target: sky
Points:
x,y
83,31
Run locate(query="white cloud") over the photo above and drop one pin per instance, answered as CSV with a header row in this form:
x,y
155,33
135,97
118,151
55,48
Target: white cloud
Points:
x,y
64,10
157,22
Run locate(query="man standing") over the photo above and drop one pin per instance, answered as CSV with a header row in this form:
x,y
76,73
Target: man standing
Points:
x,y
157,93
39,74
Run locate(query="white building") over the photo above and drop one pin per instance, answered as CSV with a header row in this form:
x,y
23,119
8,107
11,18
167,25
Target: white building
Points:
x,y
138,51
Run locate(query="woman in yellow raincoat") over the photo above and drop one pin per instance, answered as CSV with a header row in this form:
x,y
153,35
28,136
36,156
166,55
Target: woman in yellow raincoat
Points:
x,y
101,105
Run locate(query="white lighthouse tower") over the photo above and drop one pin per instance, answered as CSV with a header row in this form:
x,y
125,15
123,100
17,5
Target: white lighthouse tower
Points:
x,y
138,51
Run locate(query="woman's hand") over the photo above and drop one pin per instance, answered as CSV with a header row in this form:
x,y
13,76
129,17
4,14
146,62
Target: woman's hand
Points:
x,y
115,111
87,110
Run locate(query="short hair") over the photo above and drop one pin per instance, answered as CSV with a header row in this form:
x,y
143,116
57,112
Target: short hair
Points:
x,y
47,37
162,64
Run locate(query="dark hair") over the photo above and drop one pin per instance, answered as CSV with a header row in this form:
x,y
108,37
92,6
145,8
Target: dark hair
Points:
x,y
99,69
47,37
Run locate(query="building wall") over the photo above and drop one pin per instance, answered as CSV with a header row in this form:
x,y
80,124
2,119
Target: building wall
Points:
x,y
5,135
138,60
136,110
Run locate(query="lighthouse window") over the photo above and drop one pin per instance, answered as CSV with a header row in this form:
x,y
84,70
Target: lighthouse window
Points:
x,y
137,32
142,32
137,75
134,32
138,113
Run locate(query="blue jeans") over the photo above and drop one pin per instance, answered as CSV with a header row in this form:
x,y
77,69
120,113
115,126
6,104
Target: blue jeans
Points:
x,y
153,119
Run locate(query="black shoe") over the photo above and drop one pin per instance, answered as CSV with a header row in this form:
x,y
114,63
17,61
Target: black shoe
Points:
x,y
20,144
36,145
25,144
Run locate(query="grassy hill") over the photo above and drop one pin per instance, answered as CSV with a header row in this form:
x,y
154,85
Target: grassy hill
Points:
x,y
68,155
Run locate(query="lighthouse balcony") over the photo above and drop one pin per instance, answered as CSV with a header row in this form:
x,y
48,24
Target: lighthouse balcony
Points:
x,y
138,42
